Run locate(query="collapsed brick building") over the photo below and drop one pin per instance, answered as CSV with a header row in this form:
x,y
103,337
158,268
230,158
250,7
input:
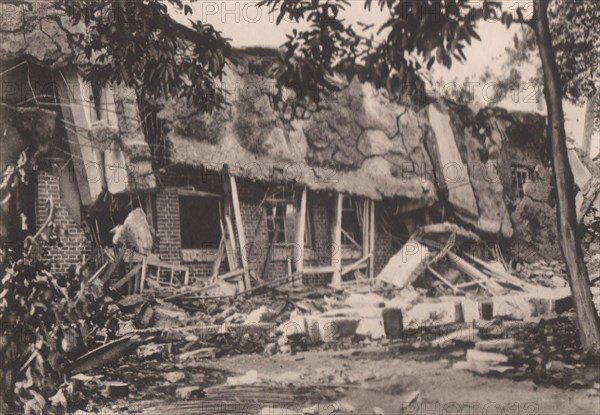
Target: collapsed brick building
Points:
x,y
249,192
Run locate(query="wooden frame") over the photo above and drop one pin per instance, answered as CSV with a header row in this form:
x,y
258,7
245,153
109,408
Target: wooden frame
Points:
x,y
146,262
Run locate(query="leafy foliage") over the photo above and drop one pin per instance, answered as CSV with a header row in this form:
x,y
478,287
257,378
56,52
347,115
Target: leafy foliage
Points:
x,y
137,43
45,321
416,34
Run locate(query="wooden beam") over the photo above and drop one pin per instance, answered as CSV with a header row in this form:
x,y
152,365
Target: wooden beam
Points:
x,y
336,240
319,270
372,239
442,279
356,265
475,274
127,277
231,274
88,174
366,221
218,258
239,224
198,193
300,231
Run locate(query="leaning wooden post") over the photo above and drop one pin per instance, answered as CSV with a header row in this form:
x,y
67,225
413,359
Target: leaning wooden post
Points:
x,y
336,241
239,224
372,239
300,232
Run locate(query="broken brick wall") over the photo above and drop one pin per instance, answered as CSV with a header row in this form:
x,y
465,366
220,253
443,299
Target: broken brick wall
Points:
x,y
75,242
320,206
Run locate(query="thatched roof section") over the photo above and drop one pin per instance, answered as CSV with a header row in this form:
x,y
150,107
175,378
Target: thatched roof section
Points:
x,y
359,144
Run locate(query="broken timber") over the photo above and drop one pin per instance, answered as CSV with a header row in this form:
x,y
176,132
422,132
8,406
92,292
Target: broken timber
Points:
x,y
239,224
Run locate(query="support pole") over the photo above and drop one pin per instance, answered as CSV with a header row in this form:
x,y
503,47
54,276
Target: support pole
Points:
x,y
300,231
372,239
336,240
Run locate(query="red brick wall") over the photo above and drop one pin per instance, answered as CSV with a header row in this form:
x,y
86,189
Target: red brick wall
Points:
x,y
76,242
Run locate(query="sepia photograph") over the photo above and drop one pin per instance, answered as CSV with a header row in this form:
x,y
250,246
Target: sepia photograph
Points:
x,y
300,207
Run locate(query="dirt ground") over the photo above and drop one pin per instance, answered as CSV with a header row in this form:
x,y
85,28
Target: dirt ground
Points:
x,y
357,381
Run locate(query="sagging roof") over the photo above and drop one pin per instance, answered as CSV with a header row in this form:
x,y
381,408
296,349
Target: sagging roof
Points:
x,y
360,143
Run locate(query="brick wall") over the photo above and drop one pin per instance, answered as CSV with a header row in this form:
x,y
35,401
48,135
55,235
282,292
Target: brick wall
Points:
x,y
75,243
251,193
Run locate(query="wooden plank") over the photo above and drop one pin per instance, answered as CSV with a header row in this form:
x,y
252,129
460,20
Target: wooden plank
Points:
x,y
198,193
218,258
336,239
355,265
476,274
300,231
239,224
231,274
442,279
366,221
505,277
139,283
319,270
372,239
127,277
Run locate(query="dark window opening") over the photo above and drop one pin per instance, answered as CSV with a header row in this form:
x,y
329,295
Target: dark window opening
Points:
x,y
351,223
282,212
520,176
200,222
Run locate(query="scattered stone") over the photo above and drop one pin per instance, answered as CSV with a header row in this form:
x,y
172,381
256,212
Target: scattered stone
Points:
x,y
155,351
365,300
116,390
204,353
270,349
310,410
174,377
343,407
189,392
464,335
249,378
262,314
484,362
378,411
498,345
555,366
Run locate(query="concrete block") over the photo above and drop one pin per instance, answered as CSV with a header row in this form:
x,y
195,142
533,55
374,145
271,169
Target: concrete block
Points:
x,y
514,306
371,327
445,312
550,303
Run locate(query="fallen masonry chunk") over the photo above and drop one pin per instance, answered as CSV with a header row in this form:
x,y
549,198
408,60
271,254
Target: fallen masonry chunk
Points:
x,y
204,353
249,378
116,390
474,355
378,411
467,334
155,351
484,362
189,392
174,377
500,345
365,300
262,314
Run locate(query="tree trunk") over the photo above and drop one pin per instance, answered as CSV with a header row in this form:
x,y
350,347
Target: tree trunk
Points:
x,y
588,125
587,319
